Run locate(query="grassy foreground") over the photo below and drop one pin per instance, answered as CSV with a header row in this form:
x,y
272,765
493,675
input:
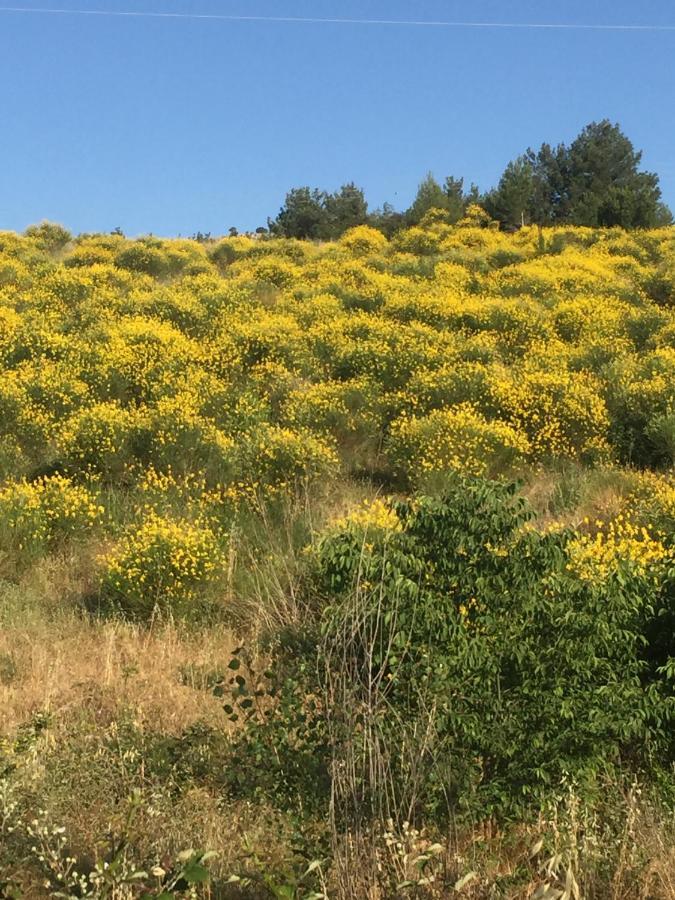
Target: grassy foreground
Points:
x,y
338,569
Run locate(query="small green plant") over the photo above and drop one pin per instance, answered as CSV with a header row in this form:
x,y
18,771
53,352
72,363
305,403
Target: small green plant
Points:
x,y
282,753
115,872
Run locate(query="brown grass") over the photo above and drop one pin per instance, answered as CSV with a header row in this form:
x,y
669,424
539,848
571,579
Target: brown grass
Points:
x,y
59,666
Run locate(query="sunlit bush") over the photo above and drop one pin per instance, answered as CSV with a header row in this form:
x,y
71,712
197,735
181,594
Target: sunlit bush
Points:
x,y
455,440
49,236
562,413
619,544
103,438
417,241
142,256
281,458
37,516
161,566
363,240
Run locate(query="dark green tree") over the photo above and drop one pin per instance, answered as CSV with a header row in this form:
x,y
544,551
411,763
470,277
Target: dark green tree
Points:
x,y
303,215
345,209
430,195
313,214
605,185
512,202
388,220
595,181
550,199
455,199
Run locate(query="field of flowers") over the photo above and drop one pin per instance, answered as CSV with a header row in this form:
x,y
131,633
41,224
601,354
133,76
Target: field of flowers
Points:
x,y
183,424
180,380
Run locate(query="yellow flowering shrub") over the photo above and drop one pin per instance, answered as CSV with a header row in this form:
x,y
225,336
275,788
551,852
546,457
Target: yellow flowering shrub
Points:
x,y
457,382
458,439
561,412
276,270
49,236
27,425
161,565
476,217
363,240
641,400
566,275
371,516
279,458
10,326
89,254
139,359
652,501
51,386
179,437
101,438
178,308
240,367
276,337
417,240
340,408
143,256
14,273
618,543
453,276
35,516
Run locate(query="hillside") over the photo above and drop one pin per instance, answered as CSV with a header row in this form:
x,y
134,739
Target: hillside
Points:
x,y
352,562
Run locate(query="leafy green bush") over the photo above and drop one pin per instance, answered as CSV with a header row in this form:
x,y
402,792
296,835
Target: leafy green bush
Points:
x,y
472,626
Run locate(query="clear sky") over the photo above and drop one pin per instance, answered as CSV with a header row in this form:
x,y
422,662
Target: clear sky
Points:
x,y
176,125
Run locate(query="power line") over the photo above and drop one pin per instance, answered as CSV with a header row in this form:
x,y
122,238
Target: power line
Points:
x,y
316,20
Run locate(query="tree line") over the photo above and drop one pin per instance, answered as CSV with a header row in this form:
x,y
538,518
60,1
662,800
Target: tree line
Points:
x,y
594,181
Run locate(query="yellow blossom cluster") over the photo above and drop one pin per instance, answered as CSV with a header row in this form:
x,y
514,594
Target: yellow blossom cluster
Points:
x,y
370,516
458,439
609,545
38,514
160,564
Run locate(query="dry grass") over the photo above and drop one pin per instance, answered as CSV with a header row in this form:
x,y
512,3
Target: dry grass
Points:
x,y
576,493
61,666
55,658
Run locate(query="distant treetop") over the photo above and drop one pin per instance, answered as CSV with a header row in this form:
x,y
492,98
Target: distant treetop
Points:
x,y
595,181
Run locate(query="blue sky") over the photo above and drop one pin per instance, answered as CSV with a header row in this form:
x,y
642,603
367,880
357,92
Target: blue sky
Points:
x,y
174,125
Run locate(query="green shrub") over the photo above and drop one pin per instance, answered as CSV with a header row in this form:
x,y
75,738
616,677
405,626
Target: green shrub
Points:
x,y
49,236
473,627
143,257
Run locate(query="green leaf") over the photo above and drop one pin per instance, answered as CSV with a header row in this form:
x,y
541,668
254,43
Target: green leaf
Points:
x,y
194,873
